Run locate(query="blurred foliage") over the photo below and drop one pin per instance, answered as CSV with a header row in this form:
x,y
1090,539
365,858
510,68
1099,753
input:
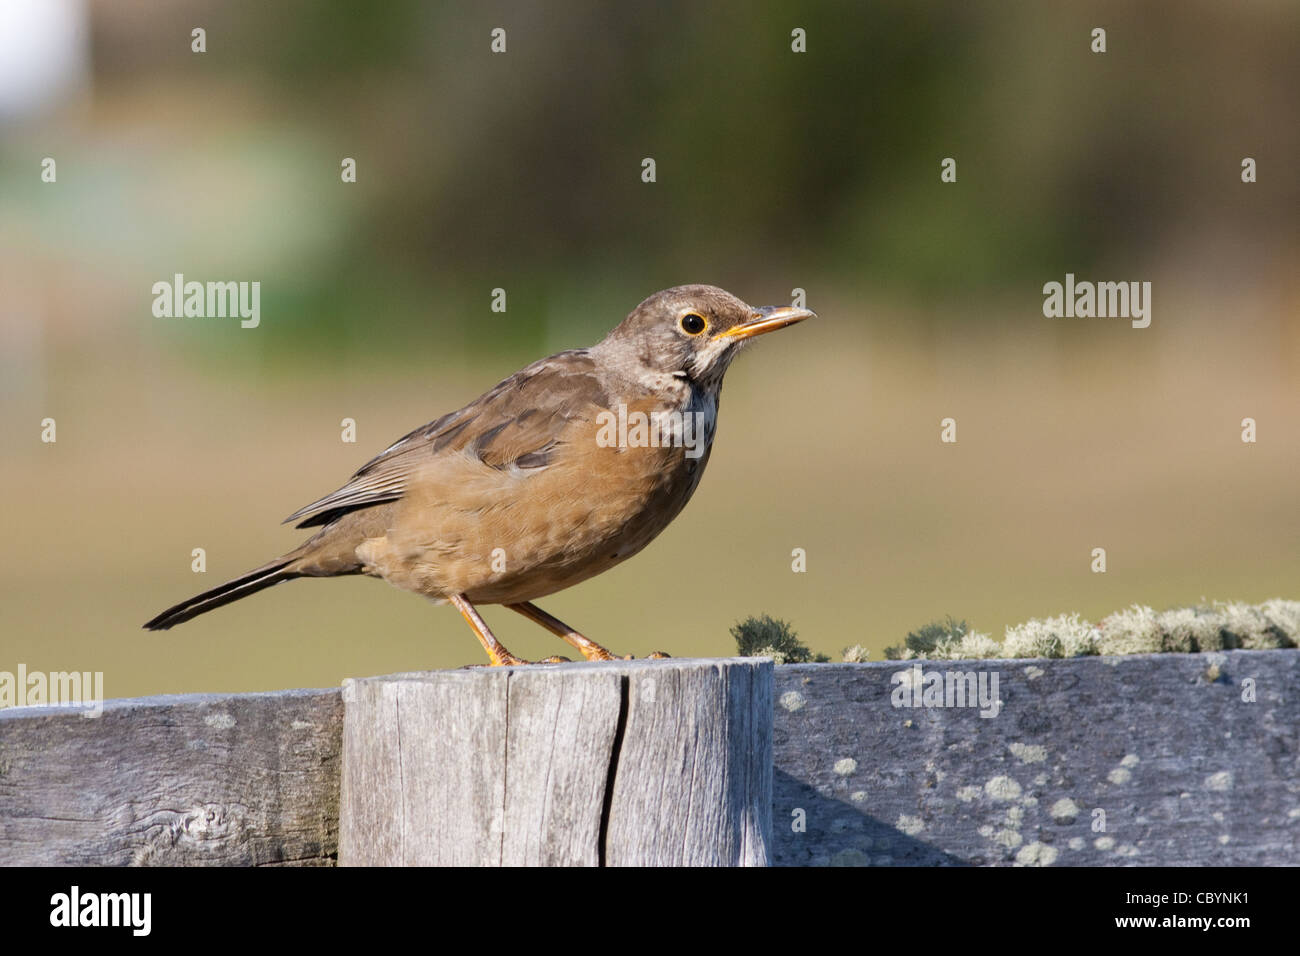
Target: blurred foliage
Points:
x,y
924,640
775,170
771,637
479,170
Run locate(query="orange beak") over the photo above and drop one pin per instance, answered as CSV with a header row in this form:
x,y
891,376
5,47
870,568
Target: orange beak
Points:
x,y
767,319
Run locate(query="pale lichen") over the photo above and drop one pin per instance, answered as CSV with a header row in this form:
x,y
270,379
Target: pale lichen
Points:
x,y
792,701
1220,782
911,825
1131,631
1283,616
857,654
1028,753
977,646
1064,810
1036,854
1135,630
1002,788
1067,635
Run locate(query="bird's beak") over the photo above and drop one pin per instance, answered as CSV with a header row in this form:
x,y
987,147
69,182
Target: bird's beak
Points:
x,y
767,319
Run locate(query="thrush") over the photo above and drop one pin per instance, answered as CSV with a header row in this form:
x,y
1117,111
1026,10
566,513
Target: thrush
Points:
x,y
563,470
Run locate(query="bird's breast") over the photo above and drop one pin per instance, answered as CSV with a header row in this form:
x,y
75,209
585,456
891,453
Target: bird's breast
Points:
x,y
614,480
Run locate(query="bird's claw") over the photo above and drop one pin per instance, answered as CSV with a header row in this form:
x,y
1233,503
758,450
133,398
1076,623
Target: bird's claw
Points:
x,y
513,661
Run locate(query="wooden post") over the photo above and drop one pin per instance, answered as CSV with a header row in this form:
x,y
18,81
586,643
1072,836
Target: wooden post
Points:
x,y
615,763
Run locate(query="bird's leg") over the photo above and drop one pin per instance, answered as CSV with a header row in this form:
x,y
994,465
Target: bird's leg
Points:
x,y
585,645
496,651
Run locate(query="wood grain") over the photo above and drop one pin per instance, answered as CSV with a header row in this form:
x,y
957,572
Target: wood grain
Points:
x,y
618,763
221,780
1160,759
1191,759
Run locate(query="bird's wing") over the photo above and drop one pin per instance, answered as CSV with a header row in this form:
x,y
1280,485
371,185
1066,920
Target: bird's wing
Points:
x,y
516,424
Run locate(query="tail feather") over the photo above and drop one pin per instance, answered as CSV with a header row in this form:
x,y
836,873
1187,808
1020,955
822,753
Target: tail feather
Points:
x,y
240,587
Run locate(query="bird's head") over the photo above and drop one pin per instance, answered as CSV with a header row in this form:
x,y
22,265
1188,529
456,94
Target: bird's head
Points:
x,y
692,331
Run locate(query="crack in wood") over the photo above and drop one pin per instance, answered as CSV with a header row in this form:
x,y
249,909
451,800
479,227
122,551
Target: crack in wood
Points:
x,y
615,750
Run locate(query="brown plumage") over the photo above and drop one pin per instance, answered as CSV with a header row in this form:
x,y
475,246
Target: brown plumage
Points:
x,y
522,493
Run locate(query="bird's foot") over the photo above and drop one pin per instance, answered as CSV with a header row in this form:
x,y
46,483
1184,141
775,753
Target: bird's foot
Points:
x,y
509,660
600,654
512,661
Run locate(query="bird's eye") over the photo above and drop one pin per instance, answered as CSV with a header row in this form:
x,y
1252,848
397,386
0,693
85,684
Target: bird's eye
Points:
x,y
693,324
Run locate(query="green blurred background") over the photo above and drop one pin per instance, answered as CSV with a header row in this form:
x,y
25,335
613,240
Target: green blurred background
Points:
x,y
522,170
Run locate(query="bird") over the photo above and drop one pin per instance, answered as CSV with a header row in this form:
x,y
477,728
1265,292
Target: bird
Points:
x,y
556,474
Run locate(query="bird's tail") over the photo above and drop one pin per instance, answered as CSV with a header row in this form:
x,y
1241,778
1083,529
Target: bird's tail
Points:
x,y
243,586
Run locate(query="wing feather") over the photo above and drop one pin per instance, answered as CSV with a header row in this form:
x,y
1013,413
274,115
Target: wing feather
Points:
x,y
516,424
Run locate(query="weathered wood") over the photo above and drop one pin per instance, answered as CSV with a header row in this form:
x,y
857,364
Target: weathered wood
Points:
x,y
696,759
1186,770
244,779
623,763
1216,779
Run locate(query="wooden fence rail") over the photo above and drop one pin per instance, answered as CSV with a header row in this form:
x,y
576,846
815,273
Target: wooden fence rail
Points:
x,y
1172,759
